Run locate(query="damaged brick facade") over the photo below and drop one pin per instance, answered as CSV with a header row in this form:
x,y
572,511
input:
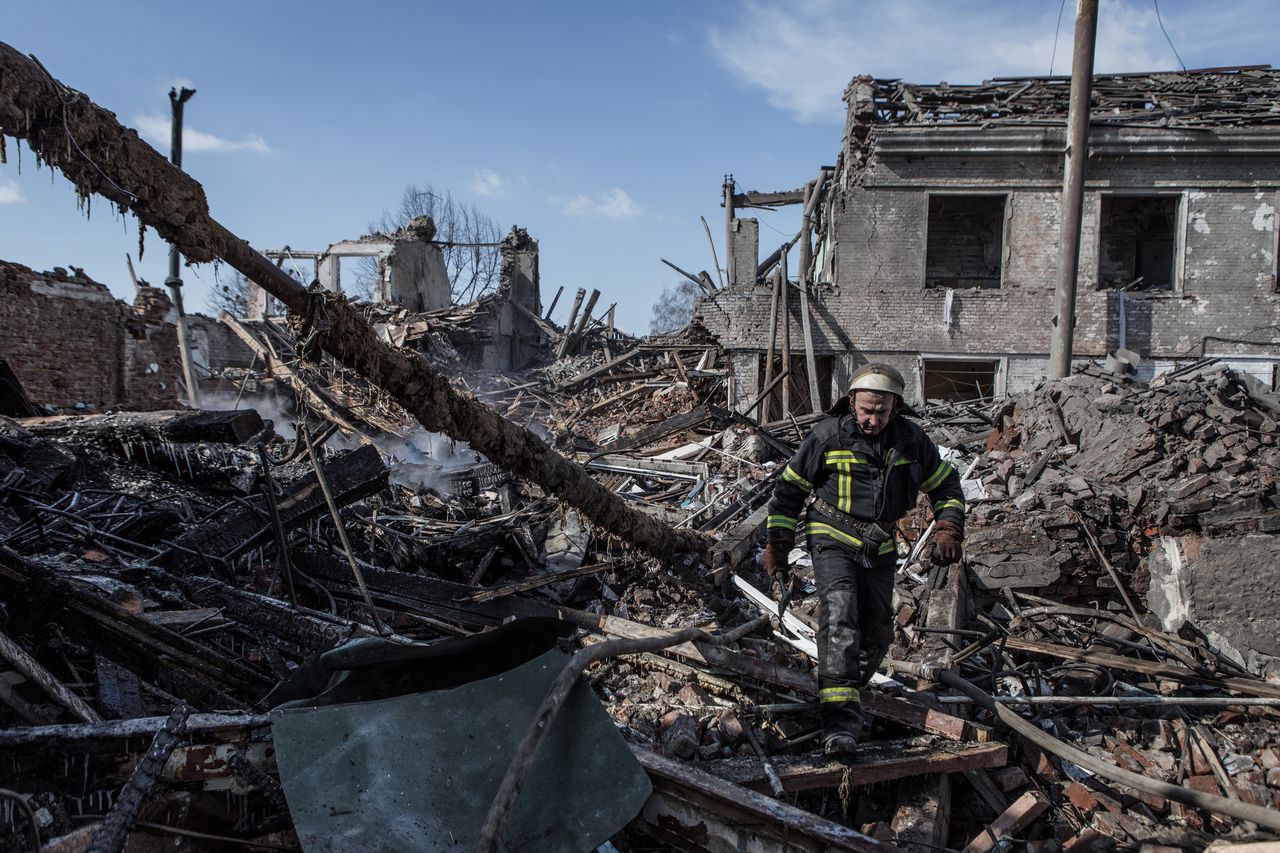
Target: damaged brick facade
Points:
x,y
939,239
72,344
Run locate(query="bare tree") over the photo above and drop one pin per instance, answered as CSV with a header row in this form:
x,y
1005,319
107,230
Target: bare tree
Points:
x,y
230,292
468,238
674,308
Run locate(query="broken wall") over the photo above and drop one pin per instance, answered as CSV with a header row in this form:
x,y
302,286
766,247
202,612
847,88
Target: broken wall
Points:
x,y
72,344
878,307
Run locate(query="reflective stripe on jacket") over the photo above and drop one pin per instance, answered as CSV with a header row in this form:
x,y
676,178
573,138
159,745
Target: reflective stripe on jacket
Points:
x,y
869,479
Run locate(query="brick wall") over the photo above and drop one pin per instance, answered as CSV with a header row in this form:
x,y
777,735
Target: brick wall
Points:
x,y
71,343
876,306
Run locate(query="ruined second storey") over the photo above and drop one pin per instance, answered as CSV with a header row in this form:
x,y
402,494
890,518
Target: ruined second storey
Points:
x,y
935,235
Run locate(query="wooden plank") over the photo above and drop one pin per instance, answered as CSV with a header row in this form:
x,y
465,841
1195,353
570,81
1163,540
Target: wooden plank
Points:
x,y
880,761
987,790
1024,810
601,368
656,432
34,670
1250,686
321,404
922,820
695,810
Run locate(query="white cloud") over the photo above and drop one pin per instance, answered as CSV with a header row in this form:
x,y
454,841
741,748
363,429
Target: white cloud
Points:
x,y
613,203
488,183
158,129
803,54
10,193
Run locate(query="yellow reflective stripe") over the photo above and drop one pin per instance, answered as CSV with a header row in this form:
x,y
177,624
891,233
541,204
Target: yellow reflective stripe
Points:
x,y
831,457
791,476
953,503
844,481
816,528
944,469
782,522
839,694
819,529
903,461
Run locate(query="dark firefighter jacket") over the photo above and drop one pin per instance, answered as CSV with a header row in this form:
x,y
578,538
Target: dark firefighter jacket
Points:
x,y
868,479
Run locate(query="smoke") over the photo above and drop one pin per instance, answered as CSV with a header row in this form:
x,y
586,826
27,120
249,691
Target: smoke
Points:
x,y
424,461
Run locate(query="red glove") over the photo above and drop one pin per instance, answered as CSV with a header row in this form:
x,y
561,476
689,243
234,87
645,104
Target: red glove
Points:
x,y
775,558
947,536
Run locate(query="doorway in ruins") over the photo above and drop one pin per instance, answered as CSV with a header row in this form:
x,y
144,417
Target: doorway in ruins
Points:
x,y
953,380
797,396
1137,246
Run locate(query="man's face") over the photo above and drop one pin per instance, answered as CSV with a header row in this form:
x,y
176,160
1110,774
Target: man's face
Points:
x,y
872,411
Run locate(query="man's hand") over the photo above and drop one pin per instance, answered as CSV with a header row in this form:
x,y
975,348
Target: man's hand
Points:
x,y
775,560
947,536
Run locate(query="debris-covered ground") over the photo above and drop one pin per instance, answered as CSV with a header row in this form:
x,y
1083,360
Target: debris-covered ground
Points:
x,y
335,631
160,574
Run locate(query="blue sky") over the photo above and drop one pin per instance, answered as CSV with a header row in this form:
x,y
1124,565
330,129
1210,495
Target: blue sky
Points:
x,y
603,128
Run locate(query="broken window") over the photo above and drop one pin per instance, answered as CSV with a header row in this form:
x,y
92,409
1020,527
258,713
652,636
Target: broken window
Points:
x,y
1136,242
949,380
965,243
798,386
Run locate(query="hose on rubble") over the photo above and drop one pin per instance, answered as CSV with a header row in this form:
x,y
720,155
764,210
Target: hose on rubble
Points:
x,y
1269,818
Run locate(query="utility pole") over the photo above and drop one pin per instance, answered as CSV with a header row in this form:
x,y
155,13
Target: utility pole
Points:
x,y
174,281
1077,155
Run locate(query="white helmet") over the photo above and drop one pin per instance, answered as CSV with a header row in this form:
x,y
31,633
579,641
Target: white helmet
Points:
x,y
880,378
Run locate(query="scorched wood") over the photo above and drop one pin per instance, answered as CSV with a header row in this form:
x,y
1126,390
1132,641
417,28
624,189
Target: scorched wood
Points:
x,y
71,133
352,475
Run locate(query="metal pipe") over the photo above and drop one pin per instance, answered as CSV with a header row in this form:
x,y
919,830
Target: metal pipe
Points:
x,y
1064,300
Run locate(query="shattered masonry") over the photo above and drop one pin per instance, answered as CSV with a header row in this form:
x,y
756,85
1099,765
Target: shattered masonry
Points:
x,y
167,577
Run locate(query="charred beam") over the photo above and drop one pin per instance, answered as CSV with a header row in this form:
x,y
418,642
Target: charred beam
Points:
x,y
69,132
352,475
114,829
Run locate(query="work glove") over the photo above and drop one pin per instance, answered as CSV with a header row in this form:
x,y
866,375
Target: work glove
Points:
x,y
947,536
775,561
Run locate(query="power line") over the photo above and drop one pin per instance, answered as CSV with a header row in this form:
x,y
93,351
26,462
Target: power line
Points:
x,y
1160,21
1056,30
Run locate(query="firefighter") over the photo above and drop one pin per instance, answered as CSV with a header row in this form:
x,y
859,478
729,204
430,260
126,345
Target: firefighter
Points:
x,y
860,470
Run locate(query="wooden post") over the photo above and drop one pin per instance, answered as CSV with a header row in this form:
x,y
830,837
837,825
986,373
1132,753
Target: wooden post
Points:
x,y
554,301
773,338
563,346
785,307
806,258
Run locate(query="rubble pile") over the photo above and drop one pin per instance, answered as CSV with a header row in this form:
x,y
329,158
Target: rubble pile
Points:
x,y
144,569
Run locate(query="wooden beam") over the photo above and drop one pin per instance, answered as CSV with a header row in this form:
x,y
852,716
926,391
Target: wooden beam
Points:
x,y
877,761
922,820
694,810
286,374
1025,809
806,258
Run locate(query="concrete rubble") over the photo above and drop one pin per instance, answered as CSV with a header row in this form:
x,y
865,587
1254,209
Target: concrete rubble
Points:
x,y
162,582
385,485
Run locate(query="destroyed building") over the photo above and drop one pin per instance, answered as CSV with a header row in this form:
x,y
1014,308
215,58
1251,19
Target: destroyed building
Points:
x,y
218,637
935,236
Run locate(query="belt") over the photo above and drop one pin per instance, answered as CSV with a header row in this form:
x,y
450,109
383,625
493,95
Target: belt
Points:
x,y
871,532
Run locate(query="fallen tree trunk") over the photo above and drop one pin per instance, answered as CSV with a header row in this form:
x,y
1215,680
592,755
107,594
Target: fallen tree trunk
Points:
x,y
69,132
